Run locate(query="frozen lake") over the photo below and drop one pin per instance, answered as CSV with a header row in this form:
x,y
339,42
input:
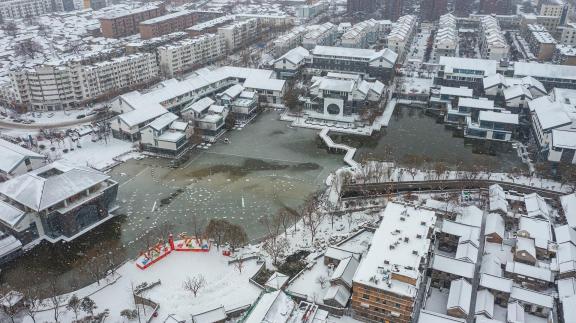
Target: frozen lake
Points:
x,y
267,166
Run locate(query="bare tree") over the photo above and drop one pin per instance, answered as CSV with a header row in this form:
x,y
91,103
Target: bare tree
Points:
x,y
312,216
55,297
97,268
235,235
440,168
276,248
194,284
32,300
9,299
28,47
322,280
272,224
74,305
216,230
239,263
284,217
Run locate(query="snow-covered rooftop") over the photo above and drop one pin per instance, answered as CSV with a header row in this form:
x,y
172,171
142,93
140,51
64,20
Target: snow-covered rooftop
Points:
x,y
398,246
532,297
13,155
272,307
456,91
453,266
483,104
498,117
551,71
460,295
433,317
454,64
51,184
569,207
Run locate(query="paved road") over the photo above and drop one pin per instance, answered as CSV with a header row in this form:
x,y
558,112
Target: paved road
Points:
x,y
352,190
47,125
476,280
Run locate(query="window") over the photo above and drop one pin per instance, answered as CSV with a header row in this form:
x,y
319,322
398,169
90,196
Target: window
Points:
x,y
365,296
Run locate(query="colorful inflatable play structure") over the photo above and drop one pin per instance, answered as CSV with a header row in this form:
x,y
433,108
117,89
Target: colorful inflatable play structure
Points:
x,y
162,249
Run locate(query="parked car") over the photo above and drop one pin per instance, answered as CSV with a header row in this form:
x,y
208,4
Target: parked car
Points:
x,y
81,116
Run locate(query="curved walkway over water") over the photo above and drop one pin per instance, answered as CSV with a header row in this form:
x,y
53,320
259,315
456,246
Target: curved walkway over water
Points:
x,y
350,152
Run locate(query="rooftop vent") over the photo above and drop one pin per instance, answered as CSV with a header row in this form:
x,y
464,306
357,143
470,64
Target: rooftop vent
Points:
x,y
423,223
418,236
414,252
406,239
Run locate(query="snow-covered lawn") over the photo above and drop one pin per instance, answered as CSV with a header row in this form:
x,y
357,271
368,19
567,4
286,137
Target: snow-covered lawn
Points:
x,y
97,154
225,286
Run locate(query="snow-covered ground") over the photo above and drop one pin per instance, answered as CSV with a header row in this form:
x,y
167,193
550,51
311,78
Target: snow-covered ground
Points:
x,y
225,286
98,155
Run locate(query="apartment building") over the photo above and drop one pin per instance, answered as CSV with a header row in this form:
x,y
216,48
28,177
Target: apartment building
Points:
x,y
367,62
565,55
288,41
360,35
14,9
209,26
446,40
126,23
240,33
551,23
266,20
151,45
177,21
324,35
386,284
554,8
432,10
56,202
568,34
57,87
190,53
493,45
541,43
109,78
401,34
308,11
